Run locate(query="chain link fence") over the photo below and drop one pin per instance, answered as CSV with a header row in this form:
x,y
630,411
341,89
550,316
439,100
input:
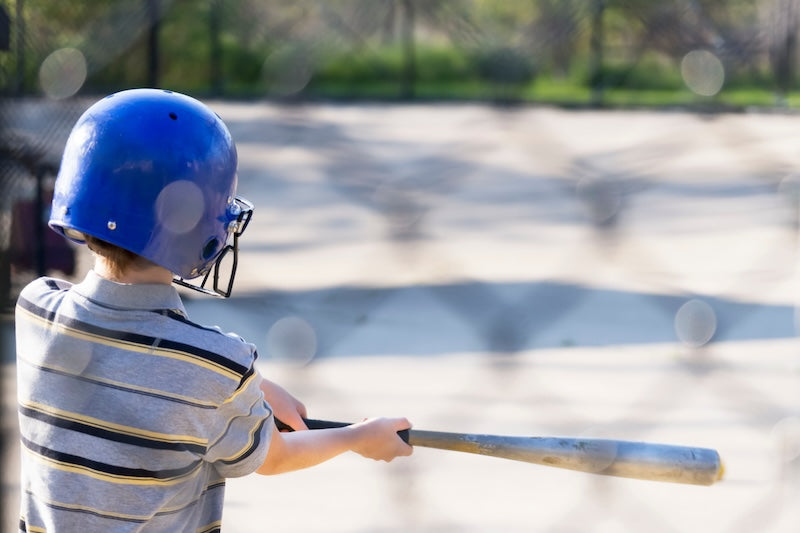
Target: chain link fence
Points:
x,y
387,49
513,255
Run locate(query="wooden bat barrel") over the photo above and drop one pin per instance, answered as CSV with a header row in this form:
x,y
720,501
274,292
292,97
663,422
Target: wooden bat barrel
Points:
x,y
608,457
619,458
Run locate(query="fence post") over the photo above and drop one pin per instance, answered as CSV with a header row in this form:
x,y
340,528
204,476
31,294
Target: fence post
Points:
x,y
215,25
20,43
154,16
409,52
596,52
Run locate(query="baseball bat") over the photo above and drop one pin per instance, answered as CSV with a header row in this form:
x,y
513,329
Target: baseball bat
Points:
x,y
608,457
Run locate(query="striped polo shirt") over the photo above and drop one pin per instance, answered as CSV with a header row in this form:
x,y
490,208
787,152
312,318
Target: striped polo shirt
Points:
x,y
131,416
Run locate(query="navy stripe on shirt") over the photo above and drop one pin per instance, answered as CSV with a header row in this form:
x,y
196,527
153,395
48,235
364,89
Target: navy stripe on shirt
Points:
x,y
134,338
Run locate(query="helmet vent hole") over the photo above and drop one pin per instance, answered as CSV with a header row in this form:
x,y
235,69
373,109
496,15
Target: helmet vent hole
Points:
x,y
173,116
210,248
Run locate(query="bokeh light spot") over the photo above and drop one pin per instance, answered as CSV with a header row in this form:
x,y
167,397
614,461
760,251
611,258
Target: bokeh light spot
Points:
x,y
62,73
703,72
179,206
695,323
292,339
287,71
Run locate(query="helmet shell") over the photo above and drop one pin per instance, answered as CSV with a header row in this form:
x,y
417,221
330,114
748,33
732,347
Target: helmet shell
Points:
x,y
151,171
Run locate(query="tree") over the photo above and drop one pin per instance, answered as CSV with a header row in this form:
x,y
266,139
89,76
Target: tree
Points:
x,y
782,43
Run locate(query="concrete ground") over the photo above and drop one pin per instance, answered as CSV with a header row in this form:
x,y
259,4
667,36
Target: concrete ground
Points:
x,y
521,271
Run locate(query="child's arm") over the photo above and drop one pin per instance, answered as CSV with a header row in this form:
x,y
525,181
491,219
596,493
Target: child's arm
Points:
x,y
375,438
284,406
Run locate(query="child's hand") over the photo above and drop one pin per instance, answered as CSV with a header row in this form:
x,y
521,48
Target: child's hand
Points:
x,y
285,407
378,438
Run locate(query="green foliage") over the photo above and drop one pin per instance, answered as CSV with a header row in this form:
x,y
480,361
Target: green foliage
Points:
x,y
242,65
346,67
505,66
649,73
443,64
433,64
534,50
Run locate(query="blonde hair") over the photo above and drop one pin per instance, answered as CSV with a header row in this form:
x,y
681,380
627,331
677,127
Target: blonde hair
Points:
x,y
119,260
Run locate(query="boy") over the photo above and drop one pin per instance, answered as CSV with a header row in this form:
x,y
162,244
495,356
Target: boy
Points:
x,y
132,416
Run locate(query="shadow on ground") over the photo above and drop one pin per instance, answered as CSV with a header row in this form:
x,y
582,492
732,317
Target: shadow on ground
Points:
x,y
490,317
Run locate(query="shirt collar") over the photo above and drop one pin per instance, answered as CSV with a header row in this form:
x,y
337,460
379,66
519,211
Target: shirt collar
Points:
x,y
143,296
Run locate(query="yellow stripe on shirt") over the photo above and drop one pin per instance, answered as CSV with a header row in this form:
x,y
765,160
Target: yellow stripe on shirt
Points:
x,y
111,426
113,478
130,346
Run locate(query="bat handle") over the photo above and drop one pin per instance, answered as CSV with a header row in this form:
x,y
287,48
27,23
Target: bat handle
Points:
x,y
327,424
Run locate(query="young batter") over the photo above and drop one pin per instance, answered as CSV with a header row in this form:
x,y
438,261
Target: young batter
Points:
x,y
131,415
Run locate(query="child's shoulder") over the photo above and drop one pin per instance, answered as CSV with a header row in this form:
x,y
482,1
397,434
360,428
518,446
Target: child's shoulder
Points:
x,y
42,287
210,338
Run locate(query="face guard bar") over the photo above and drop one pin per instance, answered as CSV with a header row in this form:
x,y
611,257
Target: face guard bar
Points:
x,y
230,252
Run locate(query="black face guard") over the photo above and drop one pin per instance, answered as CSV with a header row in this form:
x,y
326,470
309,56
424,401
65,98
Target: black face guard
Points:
x,y
224,266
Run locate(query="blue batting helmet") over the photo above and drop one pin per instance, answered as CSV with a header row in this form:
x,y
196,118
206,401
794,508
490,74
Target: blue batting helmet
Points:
x,y
153,172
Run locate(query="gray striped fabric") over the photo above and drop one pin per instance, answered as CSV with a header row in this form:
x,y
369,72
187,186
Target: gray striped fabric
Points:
x,y
131,416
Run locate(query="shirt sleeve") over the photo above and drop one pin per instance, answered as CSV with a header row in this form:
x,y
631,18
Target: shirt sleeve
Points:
x,y
241,436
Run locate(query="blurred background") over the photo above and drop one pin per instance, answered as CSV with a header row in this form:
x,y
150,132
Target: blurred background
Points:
x,y
532,217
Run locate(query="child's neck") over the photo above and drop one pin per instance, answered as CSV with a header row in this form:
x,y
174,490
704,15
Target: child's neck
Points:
x,y
134,275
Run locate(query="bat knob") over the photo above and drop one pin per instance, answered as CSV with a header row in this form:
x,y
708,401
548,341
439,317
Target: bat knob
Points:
x,y
403,434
